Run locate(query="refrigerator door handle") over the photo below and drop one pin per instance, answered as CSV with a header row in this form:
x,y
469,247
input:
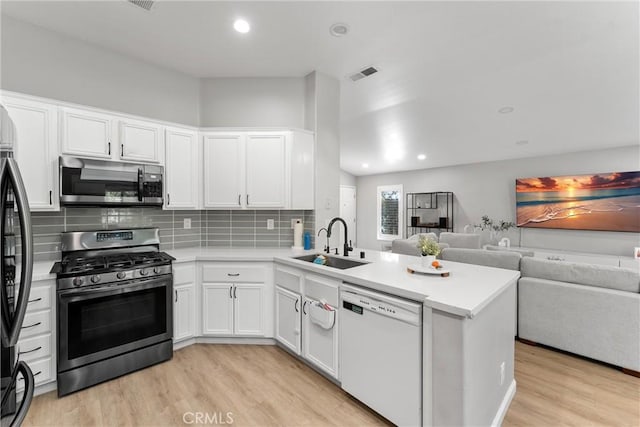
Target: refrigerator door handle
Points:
x,y
27,396
13,174
4,312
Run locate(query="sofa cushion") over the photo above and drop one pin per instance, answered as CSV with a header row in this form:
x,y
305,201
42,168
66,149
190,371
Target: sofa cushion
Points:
x,y
498,259
461,240
602,276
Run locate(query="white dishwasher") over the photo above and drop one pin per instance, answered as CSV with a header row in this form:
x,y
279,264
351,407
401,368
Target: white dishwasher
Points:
x,y
381,353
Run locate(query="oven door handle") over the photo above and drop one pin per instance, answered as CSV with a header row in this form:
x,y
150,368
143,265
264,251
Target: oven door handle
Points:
x,y
76,294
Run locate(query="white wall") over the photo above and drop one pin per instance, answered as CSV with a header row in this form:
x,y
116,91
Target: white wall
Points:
x,y
347,179
489,188
253,102
323,93
40,62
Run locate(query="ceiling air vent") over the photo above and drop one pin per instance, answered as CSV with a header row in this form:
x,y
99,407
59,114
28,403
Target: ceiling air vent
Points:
x,y
145,4
363,73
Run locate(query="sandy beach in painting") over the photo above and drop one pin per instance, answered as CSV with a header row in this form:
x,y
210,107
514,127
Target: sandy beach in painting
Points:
x,y
580,203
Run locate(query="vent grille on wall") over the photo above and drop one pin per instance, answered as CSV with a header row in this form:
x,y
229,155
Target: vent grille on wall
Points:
x,y
145,4
363,73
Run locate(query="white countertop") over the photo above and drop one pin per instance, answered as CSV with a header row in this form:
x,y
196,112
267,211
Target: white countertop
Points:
x,y
465,292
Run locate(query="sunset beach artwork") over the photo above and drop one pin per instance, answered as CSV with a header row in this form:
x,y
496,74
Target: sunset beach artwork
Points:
x,y
604,201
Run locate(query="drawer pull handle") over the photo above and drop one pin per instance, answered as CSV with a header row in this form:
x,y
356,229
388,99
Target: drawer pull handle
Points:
x,y
35,300
31,326
29,351
233,274
35,375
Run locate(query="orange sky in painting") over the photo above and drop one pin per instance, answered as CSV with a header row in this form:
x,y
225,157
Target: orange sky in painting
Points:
x,y
580,182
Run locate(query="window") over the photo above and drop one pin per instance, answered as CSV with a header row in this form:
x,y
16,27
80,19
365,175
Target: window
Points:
x,y
390,212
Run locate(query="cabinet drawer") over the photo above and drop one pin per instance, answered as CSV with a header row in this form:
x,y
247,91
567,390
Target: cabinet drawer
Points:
x,y
322,288
289,279
35,348
230,273
41,373
39,298
184,274
36,324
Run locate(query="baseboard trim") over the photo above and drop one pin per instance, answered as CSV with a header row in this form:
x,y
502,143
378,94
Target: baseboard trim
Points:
x,y
504,406
235,340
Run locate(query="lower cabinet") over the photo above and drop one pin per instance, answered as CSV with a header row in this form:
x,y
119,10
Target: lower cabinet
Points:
x,y
233,309
184,301
312,336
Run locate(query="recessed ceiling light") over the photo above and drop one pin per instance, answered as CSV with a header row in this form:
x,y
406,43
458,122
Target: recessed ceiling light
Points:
x,y
422,156
522,142
365,165
506,110
339,30
241,26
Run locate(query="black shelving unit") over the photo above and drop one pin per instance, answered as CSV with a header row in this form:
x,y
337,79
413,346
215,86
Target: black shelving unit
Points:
x,y
429,212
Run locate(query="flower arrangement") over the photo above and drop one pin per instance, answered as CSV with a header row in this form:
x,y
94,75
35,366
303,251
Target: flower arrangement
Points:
x,y
428,246
488,224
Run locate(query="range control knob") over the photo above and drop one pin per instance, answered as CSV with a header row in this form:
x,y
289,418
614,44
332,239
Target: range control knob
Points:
x,y
156,270
121,275
95,278
78,281
143,272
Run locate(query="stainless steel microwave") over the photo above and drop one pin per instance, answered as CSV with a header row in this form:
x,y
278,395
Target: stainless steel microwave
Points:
x,y
104,183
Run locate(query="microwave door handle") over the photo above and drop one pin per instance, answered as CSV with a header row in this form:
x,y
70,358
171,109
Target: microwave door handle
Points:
x,y
4,314
26,264
140,184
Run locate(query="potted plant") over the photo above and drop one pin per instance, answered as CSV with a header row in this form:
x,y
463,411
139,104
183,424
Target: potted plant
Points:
x,y
496,228
429,249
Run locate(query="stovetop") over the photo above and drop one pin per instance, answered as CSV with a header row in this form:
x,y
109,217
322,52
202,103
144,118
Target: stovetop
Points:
x,y
75,265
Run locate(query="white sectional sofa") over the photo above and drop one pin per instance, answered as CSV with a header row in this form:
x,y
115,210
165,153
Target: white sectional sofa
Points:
x,y
586,309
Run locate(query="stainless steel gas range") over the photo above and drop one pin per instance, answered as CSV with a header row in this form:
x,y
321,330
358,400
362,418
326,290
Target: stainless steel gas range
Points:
x,y
114,301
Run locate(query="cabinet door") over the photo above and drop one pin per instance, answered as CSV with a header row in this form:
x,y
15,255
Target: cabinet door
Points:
x,y
248,317
288,319
183,312
181,171
87,134
320,344
223,171
217,309
140,141
36,150
266,171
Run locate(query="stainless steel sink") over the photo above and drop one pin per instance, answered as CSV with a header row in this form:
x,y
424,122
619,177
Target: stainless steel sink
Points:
x,y
341,263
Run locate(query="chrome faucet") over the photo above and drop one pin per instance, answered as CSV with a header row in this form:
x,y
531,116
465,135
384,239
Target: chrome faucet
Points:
x,y
326,249
347,246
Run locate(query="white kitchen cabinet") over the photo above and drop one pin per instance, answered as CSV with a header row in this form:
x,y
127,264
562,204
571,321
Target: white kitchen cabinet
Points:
x,y
86,133
182,181
183,312
288,320
224,170
302,176
140,141
217,309
233,309
36,150
266,170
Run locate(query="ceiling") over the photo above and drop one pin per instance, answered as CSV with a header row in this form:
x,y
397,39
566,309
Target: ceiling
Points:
x,y
569,70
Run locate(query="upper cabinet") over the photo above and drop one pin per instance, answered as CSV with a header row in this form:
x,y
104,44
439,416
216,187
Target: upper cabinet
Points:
x,y
35,150
258,170
182,181
140,141
86,133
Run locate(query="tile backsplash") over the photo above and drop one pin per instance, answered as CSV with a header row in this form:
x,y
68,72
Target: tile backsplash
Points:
x,y
231,229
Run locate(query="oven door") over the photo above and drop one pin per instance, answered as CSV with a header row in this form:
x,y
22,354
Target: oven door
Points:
x,y
100,322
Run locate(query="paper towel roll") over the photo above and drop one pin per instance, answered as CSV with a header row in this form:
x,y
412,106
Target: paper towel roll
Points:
x,y
297,235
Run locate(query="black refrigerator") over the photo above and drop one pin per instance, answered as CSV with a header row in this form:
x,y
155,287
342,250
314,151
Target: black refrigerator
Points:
x,y
17,267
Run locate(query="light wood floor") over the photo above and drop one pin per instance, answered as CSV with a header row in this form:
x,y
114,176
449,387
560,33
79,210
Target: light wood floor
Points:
x,y
264,385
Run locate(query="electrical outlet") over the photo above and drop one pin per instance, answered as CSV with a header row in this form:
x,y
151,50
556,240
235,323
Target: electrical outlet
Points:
x,y
187,223
502,373
293,222
270,224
